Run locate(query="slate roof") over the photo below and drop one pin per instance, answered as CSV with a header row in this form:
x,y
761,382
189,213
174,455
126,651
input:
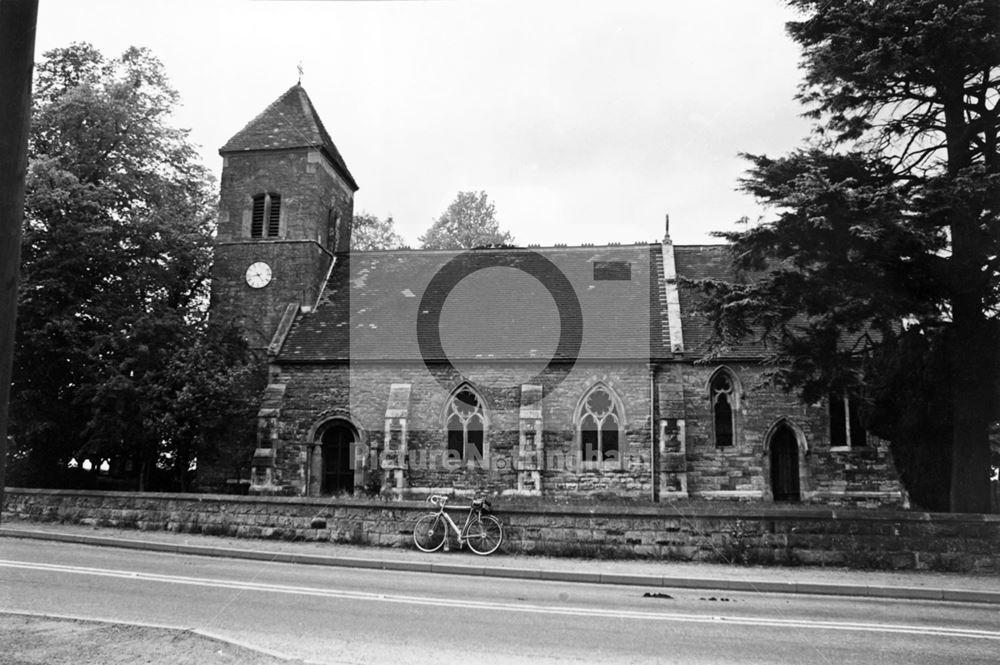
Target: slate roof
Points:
x,y
370,306
696,262
289,122
372,301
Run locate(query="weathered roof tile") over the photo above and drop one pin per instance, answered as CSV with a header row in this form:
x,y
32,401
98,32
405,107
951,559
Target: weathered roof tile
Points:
x,y
289,122
499,312
697,262
377,296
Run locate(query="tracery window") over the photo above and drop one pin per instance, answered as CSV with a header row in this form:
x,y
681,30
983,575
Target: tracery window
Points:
x,y
599,425
465,420
846,430
265,217
724,400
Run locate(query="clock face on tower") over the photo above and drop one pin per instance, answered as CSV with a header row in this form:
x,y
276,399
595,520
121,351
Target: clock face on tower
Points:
x,y
259,275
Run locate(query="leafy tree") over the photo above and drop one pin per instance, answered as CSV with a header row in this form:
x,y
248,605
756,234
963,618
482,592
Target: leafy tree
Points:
x,y
470,221
174,392
210,394
115,259
887,237
371,233
177,393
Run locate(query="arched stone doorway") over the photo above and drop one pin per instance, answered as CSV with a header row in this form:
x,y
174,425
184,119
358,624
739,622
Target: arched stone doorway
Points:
x,y
333,459
784,458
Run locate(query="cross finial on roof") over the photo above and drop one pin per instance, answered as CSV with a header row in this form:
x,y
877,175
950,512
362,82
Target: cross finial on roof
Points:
x,y
299,67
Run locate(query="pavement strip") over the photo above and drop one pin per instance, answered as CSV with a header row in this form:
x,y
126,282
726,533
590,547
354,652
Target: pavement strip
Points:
x,y
218,637
940,631
588,577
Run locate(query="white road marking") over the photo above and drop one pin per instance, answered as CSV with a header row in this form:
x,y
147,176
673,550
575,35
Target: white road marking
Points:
x,y
940,631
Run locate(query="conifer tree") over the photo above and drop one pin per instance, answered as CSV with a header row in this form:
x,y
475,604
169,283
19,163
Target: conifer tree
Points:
x,y
887,226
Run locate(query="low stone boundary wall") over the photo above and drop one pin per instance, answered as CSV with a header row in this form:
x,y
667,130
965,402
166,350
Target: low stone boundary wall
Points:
x,y
706,531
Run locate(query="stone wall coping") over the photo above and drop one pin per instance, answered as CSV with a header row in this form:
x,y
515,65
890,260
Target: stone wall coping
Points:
x,y
664,510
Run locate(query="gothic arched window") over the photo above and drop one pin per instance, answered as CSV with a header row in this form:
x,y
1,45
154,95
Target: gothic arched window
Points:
x,y
599,424
265,216
725,398
465,421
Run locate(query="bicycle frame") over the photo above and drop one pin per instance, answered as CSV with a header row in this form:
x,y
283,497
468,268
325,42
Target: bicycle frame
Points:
x,y
461,534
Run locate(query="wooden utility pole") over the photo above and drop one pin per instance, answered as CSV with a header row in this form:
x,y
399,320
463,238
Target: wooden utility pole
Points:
x,y
17,55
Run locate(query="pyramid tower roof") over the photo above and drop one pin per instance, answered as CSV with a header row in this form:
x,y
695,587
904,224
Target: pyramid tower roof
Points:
x,y
289,122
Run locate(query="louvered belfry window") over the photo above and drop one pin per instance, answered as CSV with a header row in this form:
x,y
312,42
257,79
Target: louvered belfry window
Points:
x,y
266,208
274,216
257,219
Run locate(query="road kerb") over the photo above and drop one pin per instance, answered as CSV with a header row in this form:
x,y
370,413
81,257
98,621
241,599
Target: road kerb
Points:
x,y
570,576
408,566
760,586
908,593
457,569
691,583
828,589
967,596
516,573
631,580
354,562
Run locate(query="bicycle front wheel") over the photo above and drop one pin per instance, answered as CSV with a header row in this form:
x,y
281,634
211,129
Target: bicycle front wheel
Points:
x,y
485,535
429,532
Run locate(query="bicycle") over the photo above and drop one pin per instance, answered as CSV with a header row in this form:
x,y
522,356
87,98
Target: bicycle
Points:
x,y
483,532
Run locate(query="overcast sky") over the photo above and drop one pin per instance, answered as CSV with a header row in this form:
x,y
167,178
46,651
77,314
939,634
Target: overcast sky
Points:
x,y
584,121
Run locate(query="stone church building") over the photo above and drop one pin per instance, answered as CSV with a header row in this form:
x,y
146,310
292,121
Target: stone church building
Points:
x,y
543,371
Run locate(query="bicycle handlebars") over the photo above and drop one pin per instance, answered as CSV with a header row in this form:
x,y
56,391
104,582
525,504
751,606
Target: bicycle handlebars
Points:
x,y
441,500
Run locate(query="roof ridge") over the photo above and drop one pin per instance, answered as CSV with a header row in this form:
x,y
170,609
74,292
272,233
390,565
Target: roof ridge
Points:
x,y
317,121
522,248
326,141
309,110
663,318
261,115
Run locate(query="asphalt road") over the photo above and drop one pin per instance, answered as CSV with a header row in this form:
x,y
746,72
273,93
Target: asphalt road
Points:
x,y
343,615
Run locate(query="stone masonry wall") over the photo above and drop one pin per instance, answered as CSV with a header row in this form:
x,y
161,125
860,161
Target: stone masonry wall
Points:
x,y
361,392
313,196
863,475
315,219
705,531
297,268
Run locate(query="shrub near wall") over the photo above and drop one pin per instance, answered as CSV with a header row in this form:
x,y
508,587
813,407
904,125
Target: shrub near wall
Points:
x,y
705,531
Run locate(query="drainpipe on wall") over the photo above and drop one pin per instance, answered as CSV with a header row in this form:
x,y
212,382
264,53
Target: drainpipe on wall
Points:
x,y
652,433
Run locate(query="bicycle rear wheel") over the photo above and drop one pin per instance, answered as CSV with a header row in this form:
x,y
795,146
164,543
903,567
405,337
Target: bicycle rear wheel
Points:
x,y
429,532
484,535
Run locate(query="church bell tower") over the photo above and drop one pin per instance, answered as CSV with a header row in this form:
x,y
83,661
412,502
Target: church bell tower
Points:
x,y
285,213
